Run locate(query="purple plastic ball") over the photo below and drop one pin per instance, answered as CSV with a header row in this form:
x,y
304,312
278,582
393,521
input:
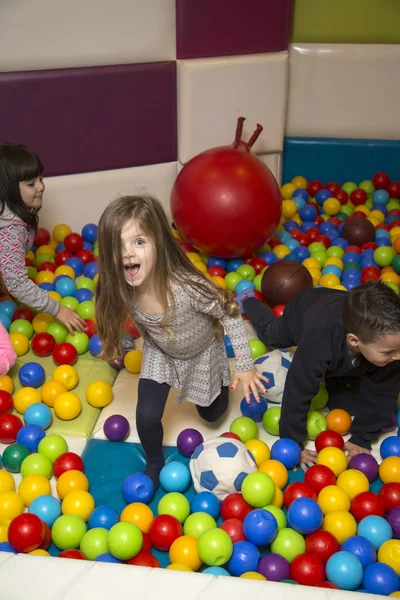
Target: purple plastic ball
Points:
x,y
393,518
188,440
274,567
365,463
116,428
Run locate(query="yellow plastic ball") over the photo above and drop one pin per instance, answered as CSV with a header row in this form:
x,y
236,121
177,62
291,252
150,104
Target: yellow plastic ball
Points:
x,y
289,209
340,524
184,551
179,567
353,482
276,470
71,481
39,552
176,234
312,263
389,470
55,295
99,393
281,251
7,384
277,498
25,397
253,575
379,216
200,266
60,232
332,497
67,375
259,450
334,260
331,206
133,361
65,270
51,390
41,322
20,343
287,191
340,287
138,513
220,281
45,249
375,222
299,182
194,257
394,232
4,525
53,243
44,277
334,458
315,273
79,503
11,505
32,487
95,279
389,553
31,256
7,483
390,276
297,219
329,280
67,406
363,208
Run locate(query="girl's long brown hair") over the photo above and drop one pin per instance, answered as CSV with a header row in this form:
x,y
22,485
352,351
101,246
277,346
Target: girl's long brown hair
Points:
x,y
114,297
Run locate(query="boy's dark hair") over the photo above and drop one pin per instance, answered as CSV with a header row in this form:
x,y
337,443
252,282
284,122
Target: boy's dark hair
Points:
x,y
371,310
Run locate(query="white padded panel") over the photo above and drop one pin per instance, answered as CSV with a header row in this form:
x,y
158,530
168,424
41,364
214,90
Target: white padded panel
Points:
x,y
80,199
344,91
47,35
213,93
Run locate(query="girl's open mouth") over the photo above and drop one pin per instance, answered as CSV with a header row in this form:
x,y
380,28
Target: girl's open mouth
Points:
x,y
131,270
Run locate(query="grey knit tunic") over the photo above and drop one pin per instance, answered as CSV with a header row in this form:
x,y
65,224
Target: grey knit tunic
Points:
x,y
193,359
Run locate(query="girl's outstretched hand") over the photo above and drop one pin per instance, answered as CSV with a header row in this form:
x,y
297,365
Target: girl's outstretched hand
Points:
x,y
250,380
70,319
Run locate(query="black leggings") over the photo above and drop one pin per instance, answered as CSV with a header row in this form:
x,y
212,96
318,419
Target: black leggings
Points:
x,y
152,398
270,329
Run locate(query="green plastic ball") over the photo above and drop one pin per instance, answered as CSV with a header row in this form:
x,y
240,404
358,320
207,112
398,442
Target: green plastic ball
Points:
x,y
58,331
347,210
174,504
86,309
384,256
32,272
316,247
316,422
393,286
289,544
232,279
258,489
36,464
67,531
197,523
44,258
396,263
94,542
70,302
85,282
271,420
393,204
257,281
349,187
215,547
367,186
320,255
79,340
246,271
321,399
336,251
22,326
257,348
52,446
352,264
13,457
125,540
278,514
204,257
245,428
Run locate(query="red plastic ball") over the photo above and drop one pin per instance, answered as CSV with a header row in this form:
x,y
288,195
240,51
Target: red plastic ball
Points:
x,y
313,233
42,237
163,531
77,554
234,506
390,492
73,242
295,490
319,476
29,262
394,224
353,248
359,213
144,559
307,569
46,541
146,546
47,266
394,189
327,584
85,255
26,532
9,427
371,271
65,354
381,181
69,461
332,186
6,402
90,328
234,528
367,503
216,271
304,239
368,246
314,187
328,438
229,434
358,197
323,544
23,313
258,264
274,242
62,256
335,221
279,309
341,195
131,329
324,240
43,344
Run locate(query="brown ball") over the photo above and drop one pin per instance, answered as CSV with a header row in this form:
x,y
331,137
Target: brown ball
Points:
x,y
283,280
358,230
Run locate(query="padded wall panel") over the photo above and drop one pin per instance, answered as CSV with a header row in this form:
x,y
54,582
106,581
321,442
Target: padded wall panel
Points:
x,y
213,93
80,199
92,119
344,91
221,28
47,35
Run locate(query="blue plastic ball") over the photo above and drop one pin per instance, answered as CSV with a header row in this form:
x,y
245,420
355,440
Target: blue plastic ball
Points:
x,y
260,527
31,374
46,508
83,294
292,244
300,193
6,547
214,261
91,269
103,516
205,502
380,579
376,529
107,558
38,414
332,270
287,452
390,446
383,241
255,410
219,571
88,246
47,286
5,320
245,557
307,225
89,232
7,307
344,570
290,225
361,548
65,286
322,195
341,242
380,197
301,252
30,436
234,264
95,345
175,477
245,284
76,264
350,257
60,247
137,487
305,515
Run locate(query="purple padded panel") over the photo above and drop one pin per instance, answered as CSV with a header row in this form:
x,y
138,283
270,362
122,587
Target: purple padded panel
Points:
x,y
229,27
93,118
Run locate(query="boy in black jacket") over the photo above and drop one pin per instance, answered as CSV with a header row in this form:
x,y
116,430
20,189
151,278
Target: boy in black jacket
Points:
x,y
352,339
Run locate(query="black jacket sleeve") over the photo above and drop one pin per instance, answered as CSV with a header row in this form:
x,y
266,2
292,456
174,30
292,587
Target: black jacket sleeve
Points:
x,y
379,390
310,363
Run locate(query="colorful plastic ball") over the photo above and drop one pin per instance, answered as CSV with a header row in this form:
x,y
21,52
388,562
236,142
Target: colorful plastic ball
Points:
x,y
205,502
305,515
38,414
11,504
91,269
367,464
255,410
339,420
137,487
319,476
260,527
26,532
33,486
307,569
218,571
367,503
259,450
197,523
390,446
322,544
36,464
288,543
79,503
68,531
99,393
30,436
79,340
95,345
71,481
271,420
139,514
13,457
6,547
389,470
23,327
334,458
245,557
287,452
116,428
67,406
276,470
344,570
215,548
25,397
65,354
47,508
184,551
353,482
376,529
7,483
390,492
163,531
174,504
341,524
124,540
52,446
393,518
295,490
104,517
234,528
380,579
188,440
274,567
6,402
389,554
234,506
67,375
361,548
67,462
332,498
175,477
258,489
245,428
9,427
42,344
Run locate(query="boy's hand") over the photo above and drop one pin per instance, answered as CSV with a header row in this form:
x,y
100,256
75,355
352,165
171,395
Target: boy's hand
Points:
x,y
353,450
250,379
70,319
307,459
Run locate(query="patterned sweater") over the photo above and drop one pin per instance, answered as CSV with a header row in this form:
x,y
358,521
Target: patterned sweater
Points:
x,y
16,240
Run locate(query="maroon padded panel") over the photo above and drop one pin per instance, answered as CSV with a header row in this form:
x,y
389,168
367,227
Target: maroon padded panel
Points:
x,y
229,27
93,118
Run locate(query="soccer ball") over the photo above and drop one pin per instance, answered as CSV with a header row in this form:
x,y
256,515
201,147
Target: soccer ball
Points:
x,y
274,365
220,465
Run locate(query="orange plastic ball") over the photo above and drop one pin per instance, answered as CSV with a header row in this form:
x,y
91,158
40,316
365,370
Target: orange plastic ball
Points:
x,y
339,420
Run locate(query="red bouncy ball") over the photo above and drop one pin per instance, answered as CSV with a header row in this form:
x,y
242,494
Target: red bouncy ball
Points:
x,y
230,191
283,280
328,438
65,354
390,492
366,504
43,344
6,402
62,256
319,476
146,546
47,266
144,559
9,427
85,255
295,490
314,187
234,506
164,530
73,242
327,584
279,309
77,554
42,237
26,532
341,195
394,189
234,528
90,328
332,186
323,544
358,197
381,181
358,230
23,313
307,569
46,541
69,461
